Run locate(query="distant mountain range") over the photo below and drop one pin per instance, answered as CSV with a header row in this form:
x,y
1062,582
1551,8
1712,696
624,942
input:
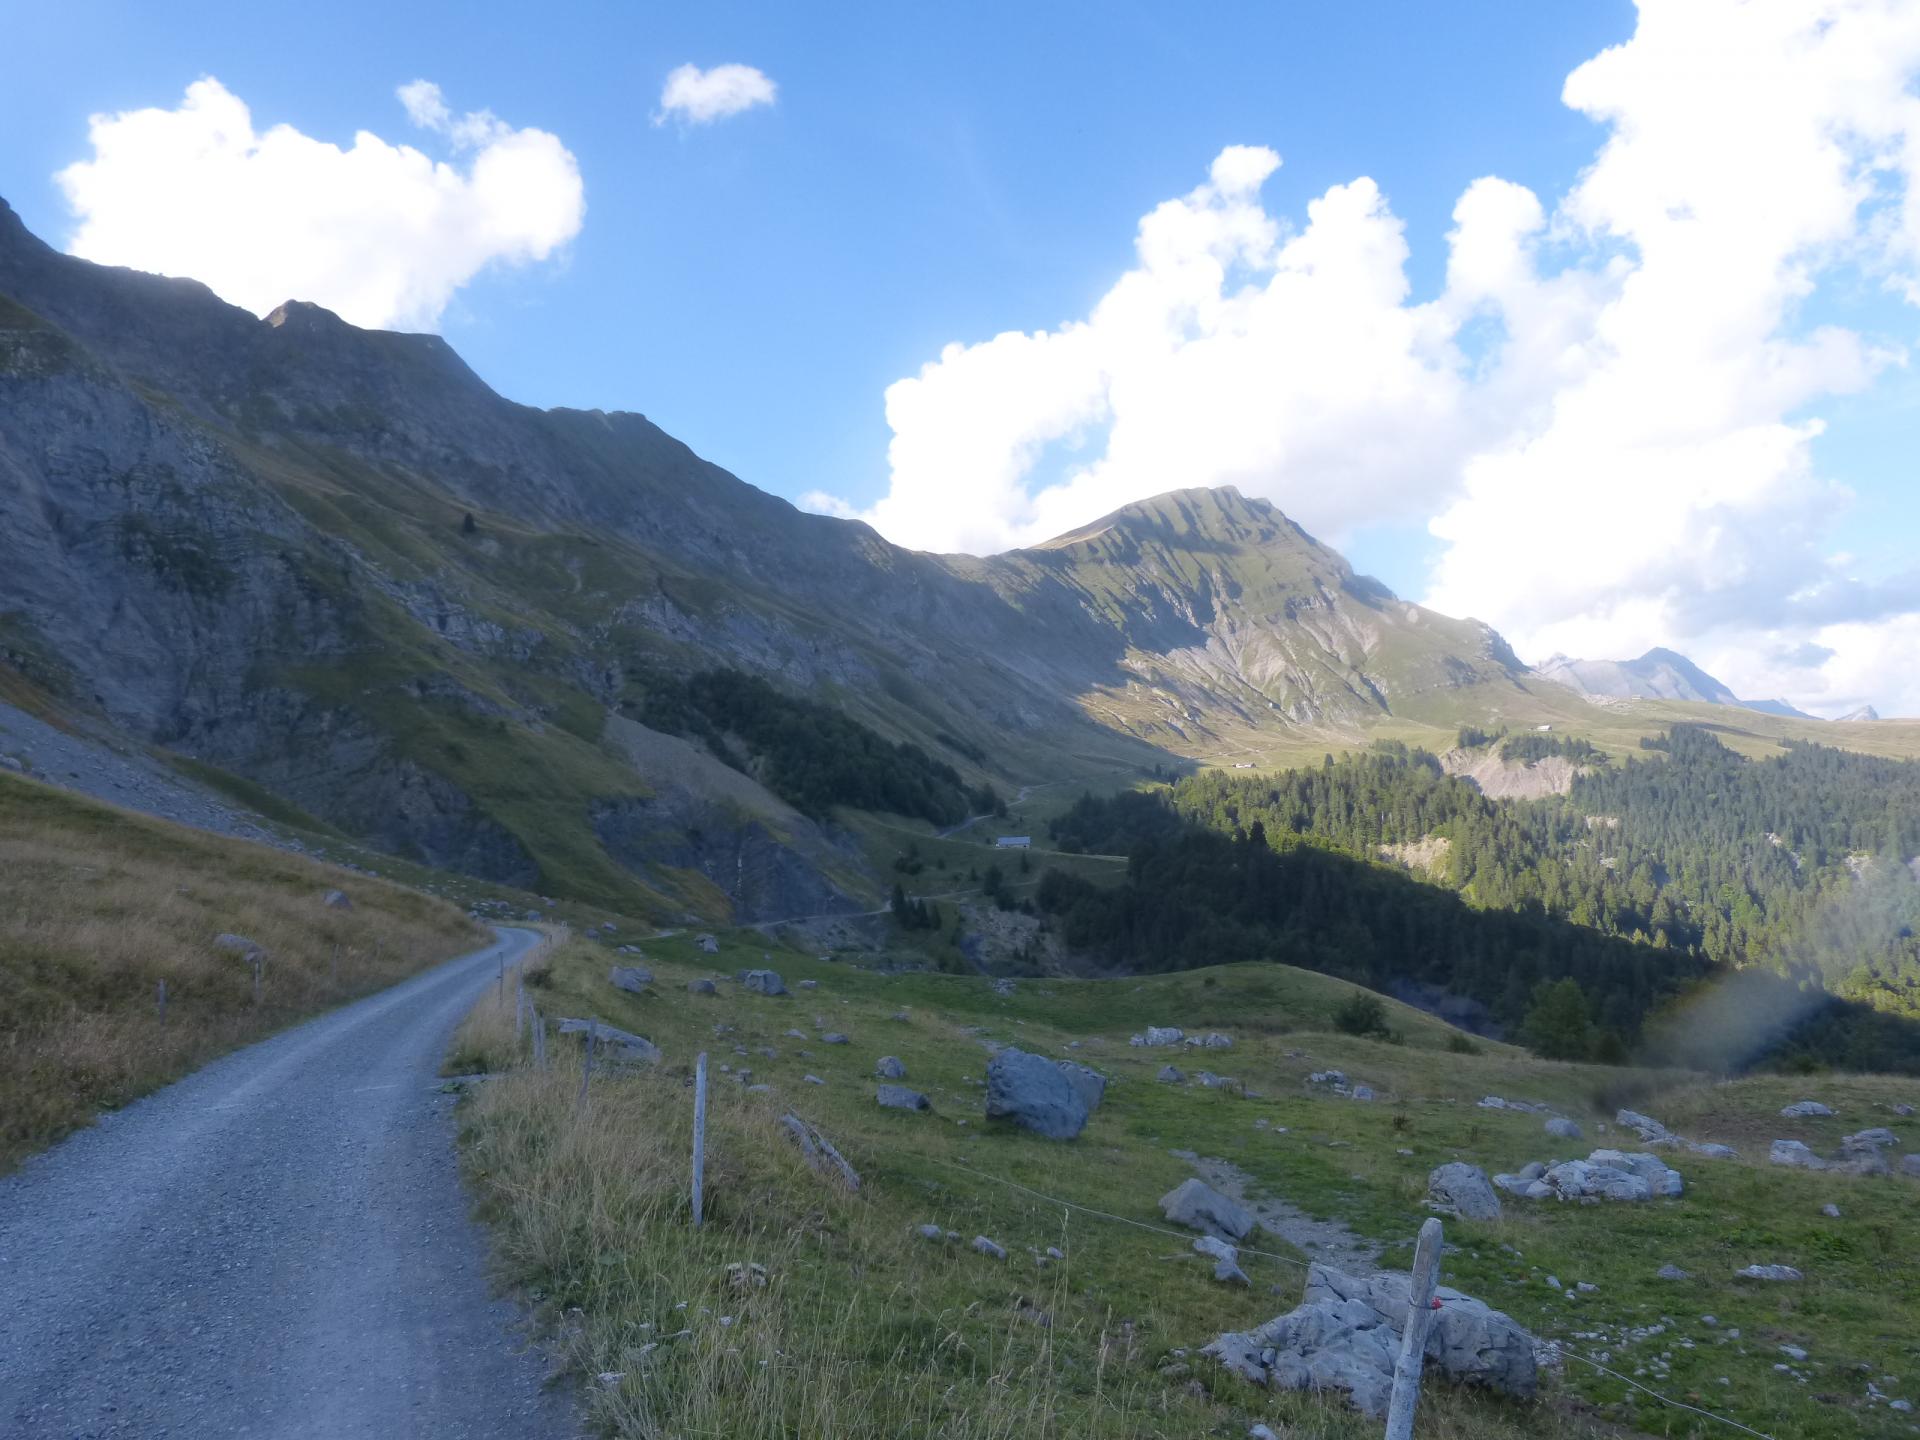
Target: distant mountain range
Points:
x,y
1663,674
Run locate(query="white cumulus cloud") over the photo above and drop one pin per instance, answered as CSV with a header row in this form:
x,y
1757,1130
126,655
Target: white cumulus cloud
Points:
x,y
378,232
700,97
1607,414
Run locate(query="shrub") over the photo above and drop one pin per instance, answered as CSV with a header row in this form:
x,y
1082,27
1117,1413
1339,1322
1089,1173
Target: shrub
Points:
x,y
1361,1013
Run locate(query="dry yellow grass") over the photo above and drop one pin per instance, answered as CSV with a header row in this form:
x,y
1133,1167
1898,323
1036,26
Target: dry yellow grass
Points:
x,y
98,906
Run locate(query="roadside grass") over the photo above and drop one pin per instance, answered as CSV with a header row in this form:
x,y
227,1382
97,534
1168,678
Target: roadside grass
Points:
x,y
894,1335
491,1036
99,905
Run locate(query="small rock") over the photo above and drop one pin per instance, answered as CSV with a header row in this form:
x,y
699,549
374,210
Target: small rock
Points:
x,y
631,978
1910,1165
1262,1432
890,1068
702,987
1564,1129
834,1037
1793,1352
989,1248
812,1080
1792,1152
930,1232
1362,1092
1830,1210
336,900
899,1097
809,984
764,982
708,944
1158,1035
1171,1075
1769,1272
1672,1272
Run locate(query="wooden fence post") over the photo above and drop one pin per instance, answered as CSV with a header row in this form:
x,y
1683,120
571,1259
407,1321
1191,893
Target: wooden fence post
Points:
x,y
586,1063
699,1133
539,1041
519,1008
1413,1344
503,977
259,963
160,1001
334,968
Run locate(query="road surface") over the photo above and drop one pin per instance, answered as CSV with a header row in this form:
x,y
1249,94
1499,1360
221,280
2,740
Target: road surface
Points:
x,y
276,1246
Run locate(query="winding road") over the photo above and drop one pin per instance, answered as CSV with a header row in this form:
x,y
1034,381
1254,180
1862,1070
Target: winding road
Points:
x,y
276,1246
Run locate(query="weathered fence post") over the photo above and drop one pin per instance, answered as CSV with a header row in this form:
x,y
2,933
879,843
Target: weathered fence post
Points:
x,y
333,968
160,1001
259,963
503,977
519,1008
699,1132
539,1041
586,1063
1413,1344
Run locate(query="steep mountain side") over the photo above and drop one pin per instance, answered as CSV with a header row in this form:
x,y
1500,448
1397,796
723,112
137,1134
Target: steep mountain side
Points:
x,y
1660,674
335,563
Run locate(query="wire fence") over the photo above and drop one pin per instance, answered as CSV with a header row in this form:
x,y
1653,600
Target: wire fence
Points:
x,y
1558,1347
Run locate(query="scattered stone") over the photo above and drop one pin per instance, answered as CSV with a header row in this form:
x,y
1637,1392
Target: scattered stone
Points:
x,y
899,1097
1901,1109
812,1080
1262,1432
1003,987
237,945
764,982
1805,1110
1345,1335
834,1037
1792,1152
1715,1152
1662,1180
1198,1206
1769,1272
1171,1075
1463,1190
1213,1041
809,984
1830,1210
1793,1352
1580,1179
613,1046
1336,1079
1910,1165
1362,1092
890,1068
707,943
1878,1138
1158,1035
1047,1097
1212,1081
631,978
989,1248
1562,1128
1226,1257
819,1152
337,900
930,1232
1650,1130
1672,1272
796,1034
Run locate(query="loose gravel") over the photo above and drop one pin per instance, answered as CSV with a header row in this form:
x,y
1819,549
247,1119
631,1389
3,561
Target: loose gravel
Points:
x,y
278,1245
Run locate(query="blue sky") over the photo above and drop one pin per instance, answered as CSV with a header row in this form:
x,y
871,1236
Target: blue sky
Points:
x,y
938,175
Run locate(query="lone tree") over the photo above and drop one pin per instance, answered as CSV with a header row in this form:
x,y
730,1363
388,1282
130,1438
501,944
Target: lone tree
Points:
x,y
1558,1025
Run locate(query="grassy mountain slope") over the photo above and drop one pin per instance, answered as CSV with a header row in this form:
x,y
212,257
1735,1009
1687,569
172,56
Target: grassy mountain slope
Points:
x,y
889,1334
98,906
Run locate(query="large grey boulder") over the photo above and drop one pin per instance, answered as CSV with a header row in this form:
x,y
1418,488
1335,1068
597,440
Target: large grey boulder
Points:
x,y
1805,1110
1090,1085
1463,1190
764,982
614,1046
1198,1206
1794,1153
1562,1128
899,1097
1662,1179
1345,1335
631,978
1878,1138
1579,1179
1039,1094
708,945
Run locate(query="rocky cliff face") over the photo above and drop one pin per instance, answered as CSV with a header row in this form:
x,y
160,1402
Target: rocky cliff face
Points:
x,y
335,562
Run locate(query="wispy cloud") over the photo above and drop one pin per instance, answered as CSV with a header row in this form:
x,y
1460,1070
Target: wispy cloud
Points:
x,y
700,97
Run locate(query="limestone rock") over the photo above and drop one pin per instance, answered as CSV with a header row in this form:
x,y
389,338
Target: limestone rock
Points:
x,y
890,1067
1769,1272
764,982
1463,1190
708,944
1650,1130
611,1045
899,1097
1345,1335
989,1248
1662,1180
631,978
337,900
1804,1110
1199,1206
1159,1035
1578,1179
1562,1128
1792,1152
702,987
1171,1075
1039,1094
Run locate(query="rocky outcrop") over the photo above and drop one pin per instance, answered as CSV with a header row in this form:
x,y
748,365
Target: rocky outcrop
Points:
x,y
1345,1336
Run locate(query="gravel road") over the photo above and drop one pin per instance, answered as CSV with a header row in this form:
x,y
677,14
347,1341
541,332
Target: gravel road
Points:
x,y
276,1246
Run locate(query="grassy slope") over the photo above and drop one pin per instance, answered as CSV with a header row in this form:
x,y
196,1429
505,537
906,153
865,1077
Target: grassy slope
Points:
x,y
935,1340
98,905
